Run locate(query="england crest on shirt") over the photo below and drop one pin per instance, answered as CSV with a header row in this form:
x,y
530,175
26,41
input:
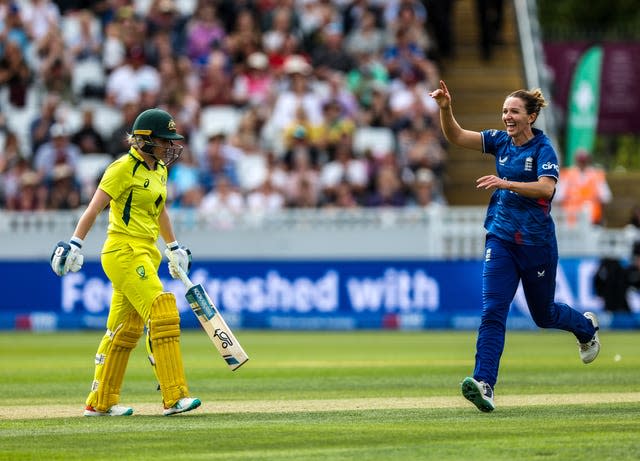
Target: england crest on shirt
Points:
x,y
528,164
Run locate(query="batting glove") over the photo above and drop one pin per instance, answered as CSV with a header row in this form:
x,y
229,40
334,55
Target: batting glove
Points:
x,y
178,256
67,257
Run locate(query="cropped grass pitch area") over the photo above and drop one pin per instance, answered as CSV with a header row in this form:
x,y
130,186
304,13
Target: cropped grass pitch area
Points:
x,y
329,396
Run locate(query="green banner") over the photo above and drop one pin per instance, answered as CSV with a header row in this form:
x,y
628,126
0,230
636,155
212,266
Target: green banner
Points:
x,y
583,104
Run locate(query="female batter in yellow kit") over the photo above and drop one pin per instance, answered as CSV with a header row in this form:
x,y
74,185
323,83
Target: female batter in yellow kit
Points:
x,y
135,188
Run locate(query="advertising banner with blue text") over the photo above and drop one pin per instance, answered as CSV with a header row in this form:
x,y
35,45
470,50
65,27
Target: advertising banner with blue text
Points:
x,y
336,295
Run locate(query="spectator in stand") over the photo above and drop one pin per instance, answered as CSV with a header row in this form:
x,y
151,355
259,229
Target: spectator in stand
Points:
x,y
425,190
131,80
163,17
12,29
281,28
299,93
403,56
216,84
31,194
64,190
336,126
222,206
184,181
583,188
302,187
305,195
409,101
9,147
10,183
253,87
336,89
410,16
179,93
266,198
118,143
302,140
40,17
366,38
41,125
54,64
113,49
202,31
15,73
344,167
387,187
330,54
341,196
87,137
58,151
377,113
246,37
370,75
87,42
217,164
424,150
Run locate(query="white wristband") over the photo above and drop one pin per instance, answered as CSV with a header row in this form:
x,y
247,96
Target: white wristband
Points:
x,y
173,245
77,241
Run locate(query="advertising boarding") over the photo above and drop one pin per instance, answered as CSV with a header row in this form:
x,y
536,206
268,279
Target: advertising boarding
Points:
x,y
286,295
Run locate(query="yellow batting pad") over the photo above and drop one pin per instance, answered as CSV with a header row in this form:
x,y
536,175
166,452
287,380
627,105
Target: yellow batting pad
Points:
x,y
164,338
111,362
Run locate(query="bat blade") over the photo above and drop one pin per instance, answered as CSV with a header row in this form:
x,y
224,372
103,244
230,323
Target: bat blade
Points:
x,y
216,328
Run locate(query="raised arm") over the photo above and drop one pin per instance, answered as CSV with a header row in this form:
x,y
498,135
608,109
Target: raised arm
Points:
x,y
454,133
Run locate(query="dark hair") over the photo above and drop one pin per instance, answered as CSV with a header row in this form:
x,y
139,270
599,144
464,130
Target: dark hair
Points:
x,y
533,100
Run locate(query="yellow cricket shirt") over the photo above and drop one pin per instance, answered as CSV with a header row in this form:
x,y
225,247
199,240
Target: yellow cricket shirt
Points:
x,y
137,196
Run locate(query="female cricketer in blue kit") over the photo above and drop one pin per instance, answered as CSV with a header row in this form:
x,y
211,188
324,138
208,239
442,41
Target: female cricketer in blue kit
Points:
x,y
520,243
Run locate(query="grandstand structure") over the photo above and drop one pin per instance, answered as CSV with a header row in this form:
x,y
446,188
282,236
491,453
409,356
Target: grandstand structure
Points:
x,y
481,84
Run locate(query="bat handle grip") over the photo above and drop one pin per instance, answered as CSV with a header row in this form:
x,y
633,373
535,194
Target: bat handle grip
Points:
x,y
184,277
181,273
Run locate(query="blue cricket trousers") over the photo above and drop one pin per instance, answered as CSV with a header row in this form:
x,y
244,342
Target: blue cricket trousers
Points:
x,y
505,264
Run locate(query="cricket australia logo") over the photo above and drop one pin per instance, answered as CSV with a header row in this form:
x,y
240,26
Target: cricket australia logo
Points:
x,y
224,338
141,273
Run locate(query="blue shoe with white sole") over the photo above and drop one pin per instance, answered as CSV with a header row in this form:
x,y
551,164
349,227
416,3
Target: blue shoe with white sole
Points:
x,y
479,393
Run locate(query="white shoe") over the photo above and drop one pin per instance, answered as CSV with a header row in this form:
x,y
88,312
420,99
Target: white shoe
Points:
x,y
115,410
479,393
182,405
589,350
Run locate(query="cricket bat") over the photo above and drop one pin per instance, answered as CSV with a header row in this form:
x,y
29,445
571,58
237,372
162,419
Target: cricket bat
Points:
x,y
213,323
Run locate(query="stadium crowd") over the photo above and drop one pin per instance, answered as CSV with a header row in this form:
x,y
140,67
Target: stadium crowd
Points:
x,y
284,103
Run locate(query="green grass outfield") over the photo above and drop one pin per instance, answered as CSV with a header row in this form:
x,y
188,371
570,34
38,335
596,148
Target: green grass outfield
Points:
x,y
329,396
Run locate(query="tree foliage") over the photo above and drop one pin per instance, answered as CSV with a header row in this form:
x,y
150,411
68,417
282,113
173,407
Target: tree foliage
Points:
x,y
595,19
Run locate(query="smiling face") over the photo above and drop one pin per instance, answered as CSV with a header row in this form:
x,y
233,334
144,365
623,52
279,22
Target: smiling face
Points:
x,y
517,121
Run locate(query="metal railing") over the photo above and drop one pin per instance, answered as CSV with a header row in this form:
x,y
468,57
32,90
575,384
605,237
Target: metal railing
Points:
x,y
434,233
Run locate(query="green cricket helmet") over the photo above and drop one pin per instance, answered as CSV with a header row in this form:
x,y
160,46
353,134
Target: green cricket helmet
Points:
x,y
156,123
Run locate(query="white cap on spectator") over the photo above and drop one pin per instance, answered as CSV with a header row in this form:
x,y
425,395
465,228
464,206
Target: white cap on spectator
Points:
x,y
296,64
62,171
57,130
424,176
258,60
